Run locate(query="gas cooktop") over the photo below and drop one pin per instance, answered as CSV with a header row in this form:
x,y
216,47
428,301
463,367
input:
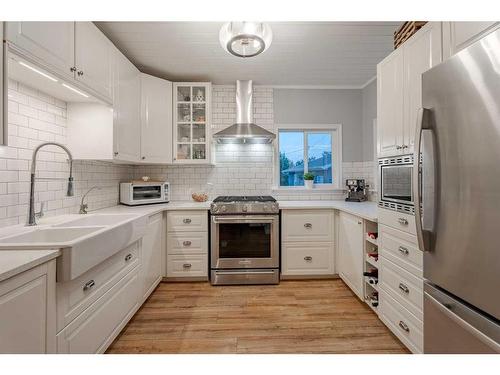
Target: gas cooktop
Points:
x,y
244,204
244,198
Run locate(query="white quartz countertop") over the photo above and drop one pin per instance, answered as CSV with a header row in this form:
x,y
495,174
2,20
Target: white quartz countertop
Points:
x,y
365,210
154,208
13,262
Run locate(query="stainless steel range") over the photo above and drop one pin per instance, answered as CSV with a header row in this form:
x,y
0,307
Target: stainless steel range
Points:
x,y
244,240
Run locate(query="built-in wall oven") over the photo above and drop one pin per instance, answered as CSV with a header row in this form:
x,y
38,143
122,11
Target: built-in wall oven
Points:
x,y
244,241
396,184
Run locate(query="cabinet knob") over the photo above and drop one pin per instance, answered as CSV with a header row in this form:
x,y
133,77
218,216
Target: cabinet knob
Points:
x,y
115,153
360,222
187,243
186,221
72,69
88,285
186,265
404,326
403,250
402,221
80,73
128,257
308,258
308,225
399,147
404,288
143,157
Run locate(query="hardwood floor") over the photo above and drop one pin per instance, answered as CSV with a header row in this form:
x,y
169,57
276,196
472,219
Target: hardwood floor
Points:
x,y
313,316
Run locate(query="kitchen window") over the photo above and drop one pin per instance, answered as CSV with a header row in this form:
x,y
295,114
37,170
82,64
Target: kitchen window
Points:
x,y
315,150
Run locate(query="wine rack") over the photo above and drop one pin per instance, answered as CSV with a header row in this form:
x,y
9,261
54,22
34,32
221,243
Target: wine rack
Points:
x,y
370,266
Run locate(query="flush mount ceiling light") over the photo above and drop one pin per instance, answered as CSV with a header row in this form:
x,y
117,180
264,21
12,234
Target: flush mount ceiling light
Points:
x,y
245,39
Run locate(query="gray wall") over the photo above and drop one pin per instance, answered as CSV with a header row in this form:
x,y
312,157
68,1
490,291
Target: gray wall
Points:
x,y
369,114
318,106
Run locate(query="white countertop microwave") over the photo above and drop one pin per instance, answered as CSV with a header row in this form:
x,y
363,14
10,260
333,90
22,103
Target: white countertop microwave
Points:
x,y
138,192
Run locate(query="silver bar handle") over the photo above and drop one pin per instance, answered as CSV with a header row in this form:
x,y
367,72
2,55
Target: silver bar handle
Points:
x,y
308,258
308,225
465,325
186,221
88,285
187,265
423,123
404,288
404,326
403,250
402,221
247,220
187,243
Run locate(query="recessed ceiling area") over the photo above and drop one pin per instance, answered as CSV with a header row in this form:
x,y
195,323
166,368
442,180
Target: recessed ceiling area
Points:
x,y
301,54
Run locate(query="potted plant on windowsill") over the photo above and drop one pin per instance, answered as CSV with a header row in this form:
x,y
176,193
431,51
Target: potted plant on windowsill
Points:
x,y
308,180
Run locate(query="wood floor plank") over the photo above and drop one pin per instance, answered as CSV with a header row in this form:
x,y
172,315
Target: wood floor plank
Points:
x,y
310,316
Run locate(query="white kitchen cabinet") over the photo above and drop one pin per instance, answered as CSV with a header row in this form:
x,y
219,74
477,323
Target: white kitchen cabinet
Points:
x,y
307,243
156,120
460,35
27,311
399,89
390,79
127,121
152,248
50,44
351,252
192,122
94,59
3,111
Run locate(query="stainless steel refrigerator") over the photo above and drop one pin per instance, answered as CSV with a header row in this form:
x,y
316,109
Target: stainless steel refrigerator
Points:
x,y
458,185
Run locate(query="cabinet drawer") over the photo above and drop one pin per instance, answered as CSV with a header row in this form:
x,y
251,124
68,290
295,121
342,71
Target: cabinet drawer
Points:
x,y
187,221
398,220
307,259
187,265
406,288
401,322
95,329
400,248
307,225
187,243
74,296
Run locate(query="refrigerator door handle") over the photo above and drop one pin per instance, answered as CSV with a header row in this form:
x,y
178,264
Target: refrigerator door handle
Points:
x,y
463,324
424,179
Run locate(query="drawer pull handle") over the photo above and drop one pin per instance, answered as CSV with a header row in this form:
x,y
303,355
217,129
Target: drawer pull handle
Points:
x,y
404,326
186,221
308,258
403,250
89,284
404,288
187,243
308,225
128,257
402,221
186,265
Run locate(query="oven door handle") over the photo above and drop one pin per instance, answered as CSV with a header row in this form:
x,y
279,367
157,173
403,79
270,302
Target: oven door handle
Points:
x,y
244,220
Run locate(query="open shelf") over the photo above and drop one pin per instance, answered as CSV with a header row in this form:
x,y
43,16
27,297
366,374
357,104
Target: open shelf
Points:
x,y
372,262
374,286
371,240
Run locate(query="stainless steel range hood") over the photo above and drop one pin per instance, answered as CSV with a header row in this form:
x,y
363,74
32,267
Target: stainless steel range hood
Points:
x,y
244,130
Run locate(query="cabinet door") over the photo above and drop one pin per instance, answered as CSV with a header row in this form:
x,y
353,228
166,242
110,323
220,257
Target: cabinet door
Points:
x,y
27,316
51,43
127,122
156,120
350,252
152,253
463,34
390,104
421,52
93,58
3,115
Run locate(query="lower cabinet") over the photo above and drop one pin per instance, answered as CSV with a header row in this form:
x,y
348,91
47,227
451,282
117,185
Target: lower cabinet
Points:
x,y
350,252
152,245
27,316
98,326
301,258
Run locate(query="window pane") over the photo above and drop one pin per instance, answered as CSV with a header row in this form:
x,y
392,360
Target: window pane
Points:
x,y
291,158
319,157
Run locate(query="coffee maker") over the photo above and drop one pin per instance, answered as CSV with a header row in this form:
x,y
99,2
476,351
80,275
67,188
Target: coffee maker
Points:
x,y
356,190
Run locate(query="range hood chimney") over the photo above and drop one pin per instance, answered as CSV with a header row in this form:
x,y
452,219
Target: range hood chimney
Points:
x,y
244,130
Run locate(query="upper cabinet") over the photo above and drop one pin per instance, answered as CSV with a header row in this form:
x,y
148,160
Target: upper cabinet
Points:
x,y
459,35
192,109
399,89
93,58
51,44
127,119
156,120
77,52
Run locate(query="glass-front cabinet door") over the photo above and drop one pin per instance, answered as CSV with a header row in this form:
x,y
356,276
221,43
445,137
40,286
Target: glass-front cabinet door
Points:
x,y
192,122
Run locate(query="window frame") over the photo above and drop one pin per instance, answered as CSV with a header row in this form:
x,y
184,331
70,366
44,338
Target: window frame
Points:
x,y
336,135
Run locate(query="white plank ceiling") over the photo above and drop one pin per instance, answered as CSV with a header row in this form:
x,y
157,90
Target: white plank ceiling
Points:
x,y
301,54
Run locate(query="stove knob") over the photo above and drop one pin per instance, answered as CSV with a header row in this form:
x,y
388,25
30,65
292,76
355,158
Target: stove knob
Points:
x,y
244,208
266,207
215,209
223,208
